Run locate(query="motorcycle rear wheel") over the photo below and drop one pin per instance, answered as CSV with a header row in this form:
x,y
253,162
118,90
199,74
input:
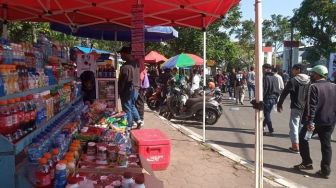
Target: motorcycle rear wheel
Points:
x,y
211,116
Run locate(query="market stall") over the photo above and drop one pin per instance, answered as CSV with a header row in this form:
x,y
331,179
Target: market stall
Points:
x,y
196,14
50,138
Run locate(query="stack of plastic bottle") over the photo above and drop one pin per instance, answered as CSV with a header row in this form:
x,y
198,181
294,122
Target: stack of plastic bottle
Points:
x,y
18,117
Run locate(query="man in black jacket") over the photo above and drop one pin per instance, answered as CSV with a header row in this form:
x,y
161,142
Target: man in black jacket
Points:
x,y
297,87
128,86
319,117
271,94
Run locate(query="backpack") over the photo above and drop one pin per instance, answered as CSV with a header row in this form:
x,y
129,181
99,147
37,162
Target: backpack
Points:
x,y
302,94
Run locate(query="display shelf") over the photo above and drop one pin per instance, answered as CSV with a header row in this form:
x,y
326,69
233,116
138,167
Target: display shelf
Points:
x,y
23,169
107,79
100,89
8,150
36,90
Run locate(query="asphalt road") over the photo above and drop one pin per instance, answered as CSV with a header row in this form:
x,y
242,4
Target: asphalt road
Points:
x,y
235,132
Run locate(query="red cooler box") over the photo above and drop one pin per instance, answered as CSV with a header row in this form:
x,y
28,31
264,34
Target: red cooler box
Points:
x,y
154,146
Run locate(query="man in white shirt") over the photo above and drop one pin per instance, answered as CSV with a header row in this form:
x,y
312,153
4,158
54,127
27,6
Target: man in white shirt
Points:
x,y
251,83
195,80
280,81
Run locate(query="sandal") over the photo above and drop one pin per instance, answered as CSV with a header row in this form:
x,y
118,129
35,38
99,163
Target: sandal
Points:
x,y
304,166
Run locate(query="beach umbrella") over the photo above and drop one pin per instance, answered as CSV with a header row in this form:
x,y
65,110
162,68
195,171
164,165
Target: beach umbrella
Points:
x,y
182,60
154,57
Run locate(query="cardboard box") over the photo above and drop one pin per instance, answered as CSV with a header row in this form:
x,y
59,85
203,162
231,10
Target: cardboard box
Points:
x,y
150,180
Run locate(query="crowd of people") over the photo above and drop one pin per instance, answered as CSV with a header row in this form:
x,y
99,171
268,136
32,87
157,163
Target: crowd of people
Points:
x,y
312,107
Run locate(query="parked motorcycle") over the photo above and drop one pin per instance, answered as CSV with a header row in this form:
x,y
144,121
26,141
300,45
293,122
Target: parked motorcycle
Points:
x,y
179,106
154,97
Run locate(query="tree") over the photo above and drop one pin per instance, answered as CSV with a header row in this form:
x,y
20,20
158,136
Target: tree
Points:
x,y
275,31
219,47
246,40
316,22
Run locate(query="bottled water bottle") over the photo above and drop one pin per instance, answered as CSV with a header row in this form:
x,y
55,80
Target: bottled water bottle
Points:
x,y
309,134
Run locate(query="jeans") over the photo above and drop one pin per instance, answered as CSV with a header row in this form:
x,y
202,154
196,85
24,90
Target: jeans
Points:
x,y
295,125
324,133
231,91
251,88
128,106
268,106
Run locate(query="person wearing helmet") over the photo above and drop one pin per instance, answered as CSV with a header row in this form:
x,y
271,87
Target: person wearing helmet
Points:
x,y
320,118
211,85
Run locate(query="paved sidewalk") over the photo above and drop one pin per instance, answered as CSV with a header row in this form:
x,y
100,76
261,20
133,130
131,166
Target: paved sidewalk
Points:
x,y
194,165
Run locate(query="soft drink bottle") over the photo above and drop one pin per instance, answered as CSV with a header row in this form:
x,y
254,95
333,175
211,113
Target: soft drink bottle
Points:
x,y
43,179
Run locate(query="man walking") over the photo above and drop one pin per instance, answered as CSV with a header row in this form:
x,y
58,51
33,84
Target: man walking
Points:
x,y
239,85
232,78
280,81
251,83
319,117
297,87
140,102
271,94
128,86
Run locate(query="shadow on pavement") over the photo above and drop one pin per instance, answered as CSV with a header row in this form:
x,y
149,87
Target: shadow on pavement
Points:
x,y
290,169
276,148
232,144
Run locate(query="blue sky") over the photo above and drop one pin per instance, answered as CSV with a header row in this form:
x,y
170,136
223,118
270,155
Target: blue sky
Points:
x,y
283,7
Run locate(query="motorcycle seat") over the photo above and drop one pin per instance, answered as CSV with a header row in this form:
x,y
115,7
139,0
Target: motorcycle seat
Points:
x,y
192,101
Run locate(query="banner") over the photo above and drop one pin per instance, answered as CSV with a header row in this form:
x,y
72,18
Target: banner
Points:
x,y
332,64
138,34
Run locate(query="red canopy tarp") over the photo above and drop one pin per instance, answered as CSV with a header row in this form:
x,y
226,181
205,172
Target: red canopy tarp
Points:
x,y
154,57
189,13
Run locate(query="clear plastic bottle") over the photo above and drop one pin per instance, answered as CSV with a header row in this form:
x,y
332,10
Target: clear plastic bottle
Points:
x,y
39,111
15,120
139,182
21,117
50,162
309,134
127,180
31,113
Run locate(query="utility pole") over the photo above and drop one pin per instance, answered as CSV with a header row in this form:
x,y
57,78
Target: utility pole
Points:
x,y
259,93
291,49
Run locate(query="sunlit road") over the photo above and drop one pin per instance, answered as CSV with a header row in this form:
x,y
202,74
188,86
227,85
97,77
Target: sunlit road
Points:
x,y
235,132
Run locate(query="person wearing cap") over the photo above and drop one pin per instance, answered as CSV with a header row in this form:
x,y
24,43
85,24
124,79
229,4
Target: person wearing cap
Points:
x,y
297,87
320,117
128,86
271,94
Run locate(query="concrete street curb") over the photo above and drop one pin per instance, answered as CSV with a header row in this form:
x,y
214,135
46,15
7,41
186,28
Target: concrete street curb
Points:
x,y
269,176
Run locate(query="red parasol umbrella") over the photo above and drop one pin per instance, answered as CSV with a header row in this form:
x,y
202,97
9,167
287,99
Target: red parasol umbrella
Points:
x,y
189,13
154,57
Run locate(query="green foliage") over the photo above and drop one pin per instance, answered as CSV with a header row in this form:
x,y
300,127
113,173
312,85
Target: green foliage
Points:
x,y
219,47
316,22
276,30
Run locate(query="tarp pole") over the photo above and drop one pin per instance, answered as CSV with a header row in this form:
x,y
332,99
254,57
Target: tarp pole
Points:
x,y
204,81
259,97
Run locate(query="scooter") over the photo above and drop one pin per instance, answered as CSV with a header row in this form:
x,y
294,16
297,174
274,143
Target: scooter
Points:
x,y
179,106
154,97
